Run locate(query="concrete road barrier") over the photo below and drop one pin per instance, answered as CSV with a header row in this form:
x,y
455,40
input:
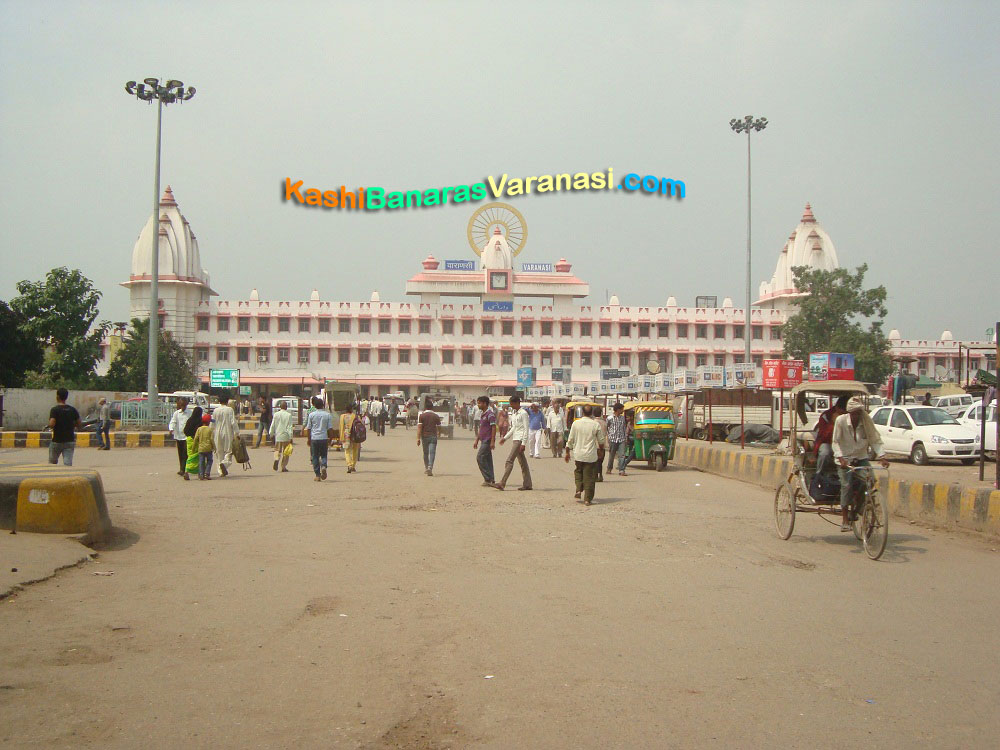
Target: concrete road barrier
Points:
x,y
50,499
89,439
973,508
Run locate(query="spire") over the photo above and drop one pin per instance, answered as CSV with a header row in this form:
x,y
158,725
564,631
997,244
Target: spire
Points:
x,y
807,215
168,198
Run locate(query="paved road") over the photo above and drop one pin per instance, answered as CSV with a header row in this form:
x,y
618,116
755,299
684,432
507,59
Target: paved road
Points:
x,y
390,609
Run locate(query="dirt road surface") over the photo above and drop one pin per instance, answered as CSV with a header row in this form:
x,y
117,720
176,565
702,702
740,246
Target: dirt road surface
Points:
x,y
388,609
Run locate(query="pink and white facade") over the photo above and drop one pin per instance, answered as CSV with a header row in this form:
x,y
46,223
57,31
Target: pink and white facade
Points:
x,y
456,332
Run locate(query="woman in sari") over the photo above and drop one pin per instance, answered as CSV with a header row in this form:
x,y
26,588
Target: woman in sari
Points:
x,y
190,428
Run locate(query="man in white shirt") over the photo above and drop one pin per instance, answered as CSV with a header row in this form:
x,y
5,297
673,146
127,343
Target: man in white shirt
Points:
x,y
282,426
854,440
585,436
225,430
176,426
556,424
519,432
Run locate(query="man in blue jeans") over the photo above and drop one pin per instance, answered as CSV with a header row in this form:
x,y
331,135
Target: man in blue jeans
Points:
x,y
427,433
64,421
317,429
616,439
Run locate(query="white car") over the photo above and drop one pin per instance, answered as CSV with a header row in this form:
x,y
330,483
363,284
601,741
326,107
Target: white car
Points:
x,y
971,418
955,404
925,432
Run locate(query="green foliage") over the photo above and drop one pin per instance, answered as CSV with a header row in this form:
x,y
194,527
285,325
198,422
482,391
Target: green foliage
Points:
x,y
129,368
839,315
60,313
20,351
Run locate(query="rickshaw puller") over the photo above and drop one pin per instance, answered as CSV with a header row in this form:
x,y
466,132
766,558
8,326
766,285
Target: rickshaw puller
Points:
x,y
854,446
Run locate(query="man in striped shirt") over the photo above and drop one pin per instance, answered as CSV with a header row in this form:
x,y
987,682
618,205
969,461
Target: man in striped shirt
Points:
x,y
616,438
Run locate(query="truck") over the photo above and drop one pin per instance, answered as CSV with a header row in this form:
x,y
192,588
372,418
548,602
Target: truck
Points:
x,y
760,407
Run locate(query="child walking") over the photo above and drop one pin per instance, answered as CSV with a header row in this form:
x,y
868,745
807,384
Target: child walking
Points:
x,y
204,440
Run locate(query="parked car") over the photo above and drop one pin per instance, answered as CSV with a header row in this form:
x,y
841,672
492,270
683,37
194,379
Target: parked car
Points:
x,y
954,404
925,432
972,417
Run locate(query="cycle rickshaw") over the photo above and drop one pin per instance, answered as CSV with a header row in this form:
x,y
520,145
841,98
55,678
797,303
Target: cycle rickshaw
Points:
x,y
803,492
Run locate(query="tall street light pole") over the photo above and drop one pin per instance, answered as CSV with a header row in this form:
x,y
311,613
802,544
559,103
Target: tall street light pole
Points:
x,y
747,124
170,92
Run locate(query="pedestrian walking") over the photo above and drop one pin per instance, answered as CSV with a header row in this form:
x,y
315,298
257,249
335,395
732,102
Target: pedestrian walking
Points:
x,y
318,430
616,438
264,423
486,440
585,436
556,423
205,443
393,412
104,424
503,421
224,433
477,414
64,421
176,428
412,413
352,448
281,429
518,433
190,430
602,448
536,423
427,435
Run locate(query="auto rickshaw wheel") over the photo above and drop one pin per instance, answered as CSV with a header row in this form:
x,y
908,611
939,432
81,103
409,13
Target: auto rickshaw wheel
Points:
x,y
661,461
784,511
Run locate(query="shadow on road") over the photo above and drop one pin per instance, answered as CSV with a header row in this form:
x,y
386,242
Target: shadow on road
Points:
x,y
116,540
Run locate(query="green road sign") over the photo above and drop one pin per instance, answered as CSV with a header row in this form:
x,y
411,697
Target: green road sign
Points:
x,y
224,378
244,390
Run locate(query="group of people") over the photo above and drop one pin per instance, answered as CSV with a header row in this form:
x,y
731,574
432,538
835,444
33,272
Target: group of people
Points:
x,y
203,439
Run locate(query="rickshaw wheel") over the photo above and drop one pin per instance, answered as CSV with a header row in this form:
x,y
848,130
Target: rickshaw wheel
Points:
x,y
874,526
661,462
784,511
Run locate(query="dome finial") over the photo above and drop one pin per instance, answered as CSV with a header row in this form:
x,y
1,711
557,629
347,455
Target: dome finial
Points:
x,y
807,215
168,198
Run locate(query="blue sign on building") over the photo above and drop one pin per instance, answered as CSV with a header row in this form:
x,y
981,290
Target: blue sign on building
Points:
x,y
494,306
460,265
536,267
525,377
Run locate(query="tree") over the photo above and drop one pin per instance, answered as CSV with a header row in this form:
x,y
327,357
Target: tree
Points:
x,y
59,313
20,351
839,315
131,363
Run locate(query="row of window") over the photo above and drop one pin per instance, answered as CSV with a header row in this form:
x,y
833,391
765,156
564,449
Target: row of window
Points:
x,y
487,328
466,357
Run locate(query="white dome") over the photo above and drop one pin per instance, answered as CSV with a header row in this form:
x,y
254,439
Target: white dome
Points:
x,y
375,297
671,301
946,336
808,245
179,257
727,302
894,335
254,297
614,301
314,297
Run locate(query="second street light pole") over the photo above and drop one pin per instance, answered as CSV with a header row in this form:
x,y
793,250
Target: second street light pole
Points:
x,y
168,93
747,124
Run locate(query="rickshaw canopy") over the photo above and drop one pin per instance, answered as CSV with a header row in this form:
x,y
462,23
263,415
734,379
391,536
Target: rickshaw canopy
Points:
x,y
827,388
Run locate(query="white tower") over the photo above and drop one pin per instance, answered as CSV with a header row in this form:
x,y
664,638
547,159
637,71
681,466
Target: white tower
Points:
x,y
183,283
808,245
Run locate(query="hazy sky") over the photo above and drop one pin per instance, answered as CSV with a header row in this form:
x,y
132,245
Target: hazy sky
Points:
x,y
882,115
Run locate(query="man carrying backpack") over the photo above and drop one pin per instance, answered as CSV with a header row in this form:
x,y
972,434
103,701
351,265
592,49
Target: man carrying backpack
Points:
x,y
352,435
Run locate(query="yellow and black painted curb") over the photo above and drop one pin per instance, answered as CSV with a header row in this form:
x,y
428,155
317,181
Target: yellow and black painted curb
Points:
x,y
89,440
972,508
48,499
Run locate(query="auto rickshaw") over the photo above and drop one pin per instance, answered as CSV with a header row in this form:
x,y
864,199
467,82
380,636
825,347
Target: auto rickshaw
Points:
x,y
653,433
574,409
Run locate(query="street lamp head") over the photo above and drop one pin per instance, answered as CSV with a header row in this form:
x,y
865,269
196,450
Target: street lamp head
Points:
x,y
151,88
174,84
152,82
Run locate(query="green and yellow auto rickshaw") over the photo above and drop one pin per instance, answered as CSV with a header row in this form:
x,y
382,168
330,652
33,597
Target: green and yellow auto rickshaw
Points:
x,y
653,433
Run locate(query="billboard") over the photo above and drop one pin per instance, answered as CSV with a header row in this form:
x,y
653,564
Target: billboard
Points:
x,y
744,375
782,373
685,380
831,366
711,376
525,377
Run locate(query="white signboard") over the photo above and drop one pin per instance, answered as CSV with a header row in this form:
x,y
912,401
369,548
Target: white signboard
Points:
x,y
631,385
647,383
711,376
578,389
743,375
685,380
